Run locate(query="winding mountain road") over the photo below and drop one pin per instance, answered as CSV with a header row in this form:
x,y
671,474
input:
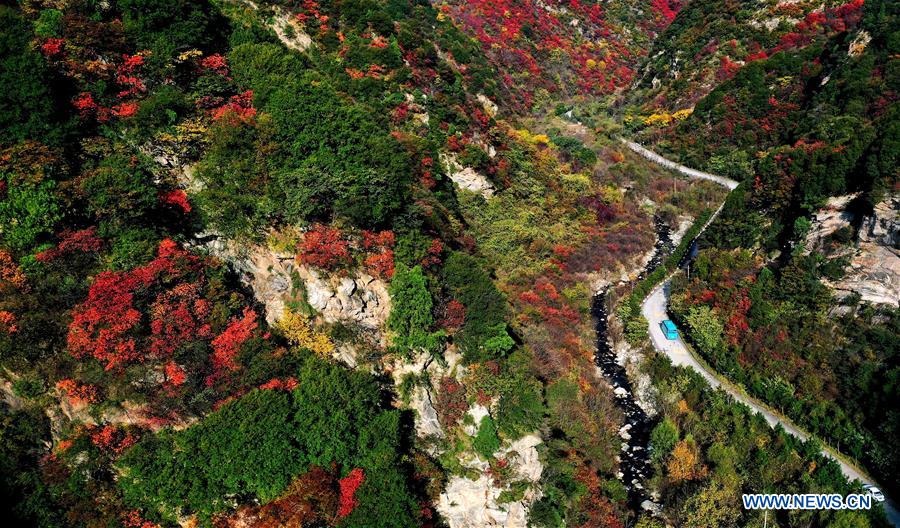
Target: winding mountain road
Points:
x,y
654,310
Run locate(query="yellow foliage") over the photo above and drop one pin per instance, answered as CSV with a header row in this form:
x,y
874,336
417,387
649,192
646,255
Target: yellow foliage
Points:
x,y
298,331
533,139
683,113
188,55
191,130
684,462
611,194
666,119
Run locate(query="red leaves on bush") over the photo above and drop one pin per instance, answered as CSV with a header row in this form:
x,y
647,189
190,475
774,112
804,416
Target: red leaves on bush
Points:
x,y
451,404
176,198
125,109
175,375
215,63
665,11
324,247
100,327
228,344
52,47
84,103
383,239
381,264
178,316
78,393
727,69
381,258
113,439
454,315
126,76
133,519
286,384
104,325
433,253
349,485
11,273
240,106
8,322
83,241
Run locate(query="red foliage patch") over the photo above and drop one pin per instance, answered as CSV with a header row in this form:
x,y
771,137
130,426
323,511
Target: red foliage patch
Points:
x,y
240,106
324,247
104,325
228,344
83,241
176,198
215,63
52,47
8,322
451,403
349,485
133,519
113,439
10,272
178,316
454,315
286,384
78,393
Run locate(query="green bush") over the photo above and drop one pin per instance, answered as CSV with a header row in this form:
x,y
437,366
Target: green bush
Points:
x,y
28,212
486,441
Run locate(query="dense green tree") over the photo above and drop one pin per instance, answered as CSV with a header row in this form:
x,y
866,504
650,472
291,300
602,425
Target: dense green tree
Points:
x,y
27,102
254,447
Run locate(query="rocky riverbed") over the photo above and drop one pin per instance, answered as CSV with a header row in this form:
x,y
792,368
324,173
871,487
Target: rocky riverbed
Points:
x,y
634,465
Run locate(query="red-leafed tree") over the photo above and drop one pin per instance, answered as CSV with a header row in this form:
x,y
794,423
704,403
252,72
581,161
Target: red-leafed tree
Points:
x,y
83,241
178,316
227,345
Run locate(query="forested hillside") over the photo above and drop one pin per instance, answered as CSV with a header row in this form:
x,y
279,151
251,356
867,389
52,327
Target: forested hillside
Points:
x,y
333,263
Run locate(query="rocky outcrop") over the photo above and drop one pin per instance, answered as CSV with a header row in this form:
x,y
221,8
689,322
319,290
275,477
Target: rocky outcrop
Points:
x,y
466,177
356,298
286,28
421,397
874,270
359,299
828,220
472,500
468,503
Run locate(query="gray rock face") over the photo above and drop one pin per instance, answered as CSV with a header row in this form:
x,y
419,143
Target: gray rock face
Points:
x,y
467,503
358,299
466,177
874,271
828,220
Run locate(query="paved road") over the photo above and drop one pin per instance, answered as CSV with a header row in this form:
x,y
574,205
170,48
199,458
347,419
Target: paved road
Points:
x,y
654,310
692,173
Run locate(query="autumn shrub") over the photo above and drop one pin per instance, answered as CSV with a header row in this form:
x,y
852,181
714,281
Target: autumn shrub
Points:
x,y
297,329
324,247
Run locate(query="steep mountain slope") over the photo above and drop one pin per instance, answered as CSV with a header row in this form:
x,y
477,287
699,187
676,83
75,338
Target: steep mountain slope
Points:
x,y
333,263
